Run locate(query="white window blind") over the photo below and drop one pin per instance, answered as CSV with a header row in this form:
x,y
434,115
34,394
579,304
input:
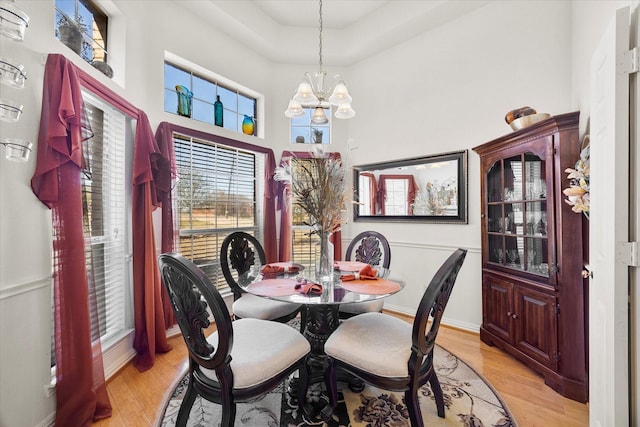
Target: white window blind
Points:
x,y
219,191
105,217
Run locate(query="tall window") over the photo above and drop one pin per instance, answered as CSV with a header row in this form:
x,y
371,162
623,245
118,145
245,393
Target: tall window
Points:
x,y
197,96
92,23
396,197
106,218
220,190
304,244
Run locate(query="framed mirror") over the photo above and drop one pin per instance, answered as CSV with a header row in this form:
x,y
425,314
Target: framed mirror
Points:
x,y
425,189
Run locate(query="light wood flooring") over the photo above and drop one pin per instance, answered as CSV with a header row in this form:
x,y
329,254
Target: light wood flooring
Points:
x,y
137,398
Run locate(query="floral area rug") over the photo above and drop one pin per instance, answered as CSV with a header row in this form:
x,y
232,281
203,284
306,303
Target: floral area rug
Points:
x,y
469,401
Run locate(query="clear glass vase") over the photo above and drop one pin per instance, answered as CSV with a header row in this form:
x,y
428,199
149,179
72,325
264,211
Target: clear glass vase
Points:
x,y
324,264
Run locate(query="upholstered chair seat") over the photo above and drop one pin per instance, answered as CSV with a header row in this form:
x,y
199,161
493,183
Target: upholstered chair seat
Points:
x,y
375,342
253,306
260,351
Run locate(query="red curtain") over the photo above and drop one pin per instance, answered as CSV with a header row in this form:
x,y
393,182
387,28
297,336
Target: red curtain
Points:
x,y
150,331
284,203
164,135
165,178
81,395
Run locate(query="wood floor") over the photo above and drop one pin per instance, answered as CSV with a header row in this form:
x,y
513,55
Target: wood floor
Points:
x,y
137,398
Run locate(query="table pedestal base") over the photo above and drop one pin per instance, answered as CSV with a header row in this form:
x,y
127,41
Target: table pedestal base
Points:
x,y
321,321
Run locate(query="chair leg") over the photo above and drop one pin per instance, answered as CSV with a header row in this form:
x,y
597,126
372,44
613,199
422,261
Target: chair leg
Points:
x,y
187,403
228,412
437,393
413,406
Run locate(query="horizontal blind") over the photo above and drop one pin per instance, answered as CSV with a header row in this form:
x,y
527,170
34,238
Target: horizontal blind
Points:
x,y
104,209
217,194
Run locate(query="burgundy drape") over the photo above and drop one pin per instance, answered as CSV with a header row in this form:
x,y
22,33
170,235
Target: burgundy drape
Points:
x,y
165,177
59,147
284,204
150,332
412,188
164,135
373,190
81,395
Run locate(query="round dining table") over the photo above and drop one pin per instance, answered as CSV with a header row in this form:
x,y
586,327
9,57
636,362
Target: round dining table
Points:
x,y
320,304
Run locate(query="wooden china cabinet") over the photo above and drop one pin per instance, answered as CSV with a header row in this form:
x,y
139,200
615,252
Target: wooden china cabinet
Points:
x,y
534,299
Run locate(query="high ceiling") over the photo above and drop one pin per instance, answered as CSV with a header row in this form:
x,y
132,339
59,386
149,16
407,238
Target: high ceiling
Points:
x,y
286,31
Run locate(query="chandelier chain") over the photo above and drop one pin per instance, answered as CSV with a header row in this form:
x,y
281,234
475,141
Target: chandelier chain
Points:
x,y
320,43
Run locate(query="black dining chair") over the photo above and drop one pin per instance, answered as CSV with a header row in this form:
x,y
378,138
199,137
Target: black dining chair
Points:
x,y
371,248
237,258
242,359
398,356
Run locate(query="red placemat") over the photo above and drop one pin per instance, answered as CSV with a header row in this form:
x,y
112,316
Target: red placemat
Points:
x,y
349,265
373,287
273,287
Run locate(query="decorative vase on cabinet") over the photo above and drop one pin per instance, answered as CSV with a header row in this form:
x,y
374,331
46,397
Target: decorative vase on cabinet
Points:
x,y
533,295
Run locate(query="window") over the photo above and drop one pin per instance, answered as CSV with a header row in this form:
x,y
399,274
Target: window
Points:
x,y
91,42
396,197
304,245
106,217
219,191
305,132
197,96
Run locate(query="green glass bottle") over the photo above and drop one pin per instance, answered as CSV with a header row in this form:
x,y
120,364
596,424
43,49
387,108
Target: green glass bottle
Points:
x,y
218,112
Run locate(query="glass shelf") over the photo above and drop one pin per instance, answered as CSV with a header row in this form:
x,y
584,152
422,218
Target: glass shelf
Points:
x,y
517,214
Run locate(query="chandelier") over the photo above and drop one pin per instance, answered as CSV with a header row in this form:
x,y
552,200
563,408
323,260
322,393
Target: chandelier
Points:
x,y
313,92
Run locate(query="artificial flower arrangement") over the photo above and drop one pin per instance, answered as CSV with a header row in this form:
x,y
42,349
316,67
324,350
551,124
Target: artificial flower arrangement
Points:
x,y
578,191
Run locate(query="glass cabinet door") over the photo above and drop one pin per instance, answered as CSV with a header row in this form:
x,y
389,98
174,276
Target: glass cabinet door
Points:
x,y
517,214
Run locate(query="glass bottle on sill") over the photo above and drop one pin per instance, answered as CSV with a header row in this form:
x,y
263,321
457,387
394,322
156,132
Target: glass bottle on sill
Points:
x,y
218,112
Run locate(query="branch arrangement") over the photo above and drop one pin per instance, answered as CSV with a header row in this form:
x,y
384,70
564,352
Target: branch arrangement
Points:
x,y
319,190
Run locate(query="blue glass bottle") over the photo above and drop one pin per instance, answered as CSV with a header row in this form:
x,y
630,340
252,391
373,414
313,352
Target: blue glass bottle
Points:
x,y
218,112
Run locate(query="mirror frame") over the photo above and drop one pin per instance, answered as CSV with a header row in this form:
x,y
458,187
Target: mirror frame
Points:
x,y
461,216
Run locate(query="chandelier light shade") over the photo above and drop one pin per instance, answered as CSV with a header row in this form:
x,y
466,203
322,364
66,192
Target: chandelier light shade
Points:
x,y
313,92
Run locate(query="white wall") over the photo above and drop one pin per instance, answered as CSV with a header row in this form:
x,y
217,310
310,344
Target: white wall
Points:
x,y
449,90
445,90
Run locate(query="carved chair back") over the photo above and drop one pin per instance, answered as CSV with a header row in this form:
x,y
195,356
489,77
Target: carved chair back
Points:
x,y
237,256
370,247
186,284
